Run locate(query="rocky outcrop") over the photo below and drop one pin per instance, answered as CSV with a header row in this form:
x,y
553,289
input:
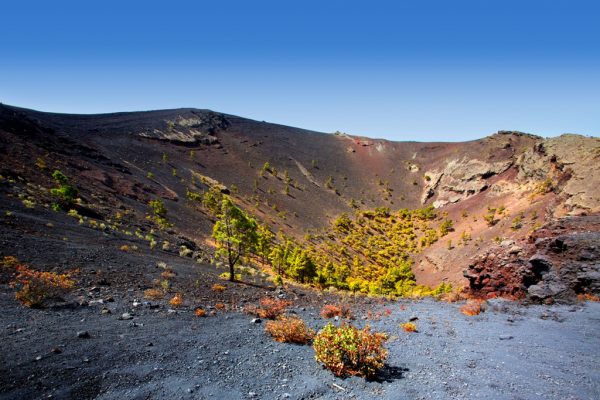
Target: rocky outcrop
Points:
x,y
460,179
196,128
558,262
568,166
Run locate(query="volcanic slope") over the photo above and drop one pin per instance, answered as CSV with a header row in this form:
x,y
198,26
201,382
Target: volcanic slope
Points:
x,y
498,191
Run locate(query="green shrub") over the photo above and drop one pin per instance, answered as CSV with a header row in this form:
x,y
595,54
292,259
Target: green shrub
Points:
x,y
347,350
65,192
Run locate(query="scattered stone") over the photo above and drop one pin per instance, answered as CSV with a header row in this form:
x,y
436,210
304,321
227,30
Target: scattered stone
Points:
x,y
56,350
126,316
256,320
515,250
149,344
105,311
38,358
83,334
506,337
413,318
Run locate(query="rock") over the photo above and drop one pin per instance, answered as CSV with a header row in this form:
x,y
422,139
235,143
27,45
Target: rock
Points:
x,y
105,311
56,350
256,321
38,358
507,243
506,337
83,334
515,250
126,316
136,303
413,318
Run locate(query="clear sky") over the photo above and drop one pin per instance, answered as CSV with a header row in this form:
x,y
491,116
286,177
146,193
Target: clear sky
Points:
x,y
402,70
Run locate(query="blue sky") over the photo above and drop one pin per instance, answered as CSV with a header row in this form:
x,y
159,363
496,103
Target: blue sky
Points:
x,y
401,70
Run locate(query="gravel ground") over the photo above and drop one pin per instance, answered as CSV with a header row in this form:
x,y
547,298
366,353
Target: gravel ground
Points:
x,y
508,352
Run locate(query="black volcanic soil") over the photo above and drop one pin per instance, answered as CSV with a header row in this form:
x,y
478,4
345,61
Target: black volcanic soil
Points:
x,y
508,352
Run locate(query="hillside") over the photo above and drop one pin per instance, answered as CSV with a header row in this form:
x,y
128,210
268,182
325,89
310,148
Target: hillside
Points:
x,y
498,191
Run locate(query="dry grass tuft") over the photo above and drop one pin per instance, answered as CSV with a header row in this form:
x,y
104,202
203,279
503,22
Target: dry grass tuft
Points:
x,y
218,288
408,327
200,312
473,307
153,294
177,300
587,297
269,308
289,330
332,311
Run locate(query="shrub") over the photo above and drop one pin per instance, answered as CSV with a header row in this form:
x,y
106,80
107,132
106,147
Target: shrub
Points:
x,y
35,287
587,297
289,330
473,307
177,300
218,288
200,312
168,274
272,308
125,247
408,327
154,294
330,311
65,192
347,350
220,306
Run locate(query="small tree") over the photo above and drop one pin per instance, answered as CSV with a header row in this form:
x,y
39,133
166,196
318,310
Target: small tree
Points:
x,y
64,192
235,234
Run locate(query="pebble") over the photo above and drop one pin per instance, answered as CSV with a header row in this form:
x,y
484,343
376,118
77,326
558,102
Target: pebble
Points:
x,y
83,334
256,320
126,316
505,337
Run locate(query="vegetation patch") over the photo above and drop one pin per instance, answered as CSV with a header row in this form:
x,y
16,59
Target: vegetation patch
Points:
x,y
289,330
35,288
347,350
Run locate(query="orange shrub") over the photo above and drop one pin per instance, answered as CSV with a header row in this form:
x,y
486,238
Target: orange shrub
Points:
x,y
220,306
408,327
125,247
272,308
331,311
154,294
587,297
168,274
200,312
473,307
35,287
289,330
347,350
218,288
177,300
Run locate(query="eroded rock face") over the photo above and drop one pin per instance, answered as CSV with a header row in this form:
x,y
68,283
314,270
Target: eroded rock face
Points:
x,y
196,128
558,262
460,179
569,165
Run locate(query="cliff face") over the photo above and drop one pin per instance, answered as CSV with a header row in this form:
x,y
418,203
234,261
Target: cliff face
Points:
x,y
504,188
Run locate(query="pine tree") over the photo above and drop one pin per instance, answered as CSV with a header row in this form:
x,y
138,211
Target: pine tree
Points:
x,y
235,234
